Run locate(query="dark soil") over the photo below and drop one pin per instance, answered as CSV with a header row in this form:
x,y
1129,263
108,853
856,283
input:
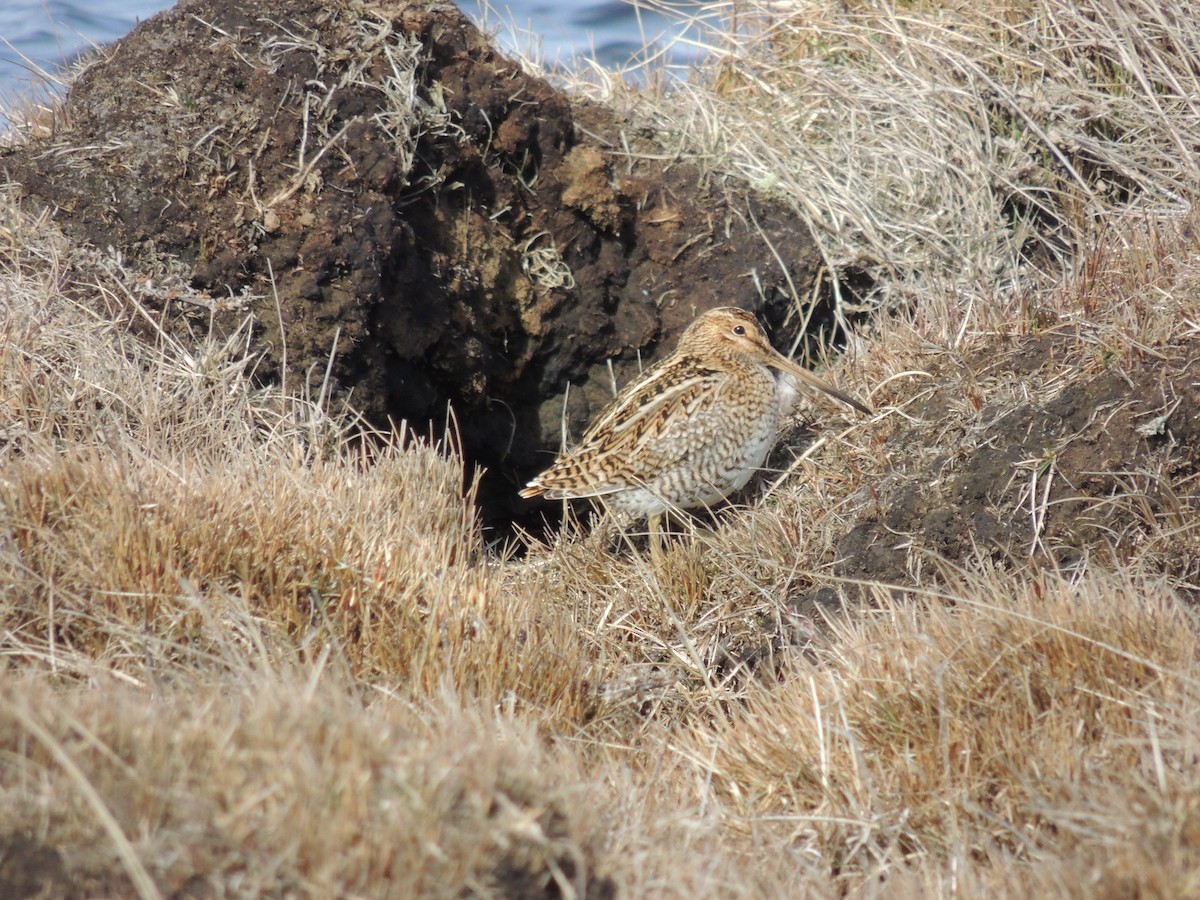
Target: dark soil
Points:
x,y
1096,469
198,138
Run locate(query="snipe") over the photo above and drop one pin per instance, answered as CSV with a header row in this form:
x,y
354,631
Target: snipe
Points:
x,y
687,433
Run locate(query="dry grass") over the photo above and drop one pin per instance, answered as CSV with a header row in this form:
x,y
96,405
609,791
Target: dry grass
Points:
x,y
245,654
156,503
926,729
942,145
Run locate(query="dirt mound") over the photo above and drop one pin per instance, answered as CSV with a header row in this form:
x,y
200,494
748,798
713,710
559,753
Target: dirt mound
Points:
x,y
377,178
1094,468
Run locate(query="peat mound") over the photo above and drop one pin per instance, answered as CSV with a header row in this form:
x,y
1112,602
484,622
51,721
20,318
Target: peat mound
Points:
x,y
373,182
1101,460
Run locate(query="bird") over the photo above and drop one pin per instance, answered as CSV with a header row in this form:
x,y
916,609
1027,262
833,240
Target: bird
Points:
x,y
689,431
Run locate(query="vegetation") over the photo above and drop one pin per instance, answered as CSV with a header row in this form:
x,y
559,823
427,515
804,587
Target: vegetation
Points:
x,y
247,652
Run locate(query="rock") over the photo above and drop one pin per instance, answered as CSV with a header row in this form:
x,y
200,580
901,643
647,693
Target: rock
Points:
x,y
466,233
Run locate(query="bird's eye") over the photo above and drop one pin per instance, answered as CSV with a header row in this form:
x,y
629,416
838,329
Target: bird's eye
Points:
x,y
739,329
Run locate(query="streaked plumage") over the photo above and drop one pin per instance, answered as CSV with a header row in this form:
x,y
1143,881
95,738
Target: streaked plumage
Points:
x,y
690,431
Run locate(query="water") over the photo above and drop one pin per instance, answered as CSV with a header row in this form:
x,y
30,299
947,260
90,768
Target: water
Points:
x,y
43,34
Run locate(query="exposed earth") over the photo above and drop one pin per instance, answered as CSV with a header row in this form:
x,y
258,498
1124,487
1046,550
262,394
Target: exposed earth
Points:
x,y
376,185
1038,480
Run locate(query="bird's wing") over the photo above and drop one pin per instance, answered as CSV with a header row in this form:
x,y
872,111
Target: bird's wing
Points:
x,y
650,426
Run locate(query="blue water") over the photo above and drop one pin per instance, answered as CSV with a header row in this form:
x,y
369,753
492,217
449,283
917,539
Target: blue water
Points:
x,y
40,35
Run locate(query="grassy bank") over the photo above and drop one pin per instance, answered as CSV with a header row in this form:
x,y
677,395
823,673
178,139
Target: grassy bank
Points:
x,y
245,653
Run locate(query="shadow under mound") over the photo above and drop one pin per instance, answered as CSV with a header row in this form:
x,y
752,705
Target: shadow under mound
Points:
x,y
378,185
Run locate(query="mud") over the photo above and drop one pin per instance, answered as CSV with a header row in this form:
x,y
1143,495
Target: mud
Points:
x,y
455,232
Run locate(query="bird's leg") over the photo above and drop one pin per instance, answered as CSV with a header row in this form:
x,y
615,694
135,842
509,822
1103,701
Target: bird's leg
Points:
x,y
654,523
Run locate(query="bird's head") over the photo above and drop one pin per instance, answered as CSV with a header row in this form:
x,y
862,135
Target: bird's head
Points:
x,y
730,332
727,331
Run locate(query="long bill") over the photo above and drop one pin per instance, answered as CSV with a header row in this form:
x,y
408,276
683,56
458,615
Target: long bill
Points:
x,y
783,364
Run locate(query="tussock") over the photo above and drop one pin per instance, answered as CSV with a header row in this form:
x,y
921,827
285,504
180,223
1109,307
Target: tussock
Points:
x,y
274,784
959,717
